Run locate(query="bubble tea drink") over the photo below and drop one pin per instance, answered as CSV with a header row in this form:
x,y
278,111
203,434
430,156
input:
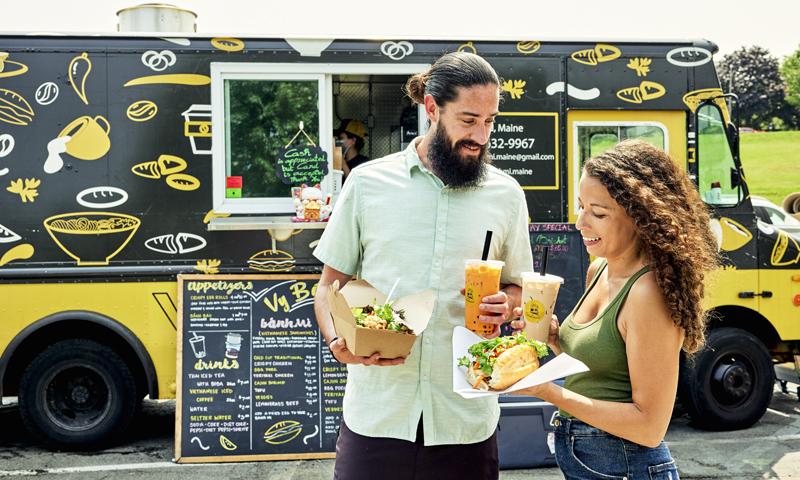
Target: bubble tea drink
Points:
x,y
482,279
539,294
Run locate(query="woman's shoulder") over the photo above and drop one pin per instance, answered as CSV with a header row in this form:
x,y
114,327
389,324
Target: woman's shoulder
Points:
x,y
646,295
646,287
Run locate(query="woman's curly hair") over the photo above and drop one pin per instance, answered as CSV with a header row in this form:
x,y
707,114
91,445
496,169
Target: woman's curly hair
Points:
x,y
672,223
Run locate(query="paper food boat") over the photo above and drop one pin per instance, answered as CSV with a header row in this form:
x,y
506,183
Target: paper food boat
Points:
x,y
559,367
365,342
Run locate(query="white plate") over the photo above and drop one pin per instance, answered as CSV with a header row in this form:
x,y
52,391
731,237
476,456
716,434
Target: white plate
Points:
x,y
559,367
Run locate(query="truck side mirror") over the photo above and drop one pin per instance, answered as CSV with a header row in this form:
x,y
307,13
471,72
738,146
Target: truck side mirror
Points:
x,y
734,177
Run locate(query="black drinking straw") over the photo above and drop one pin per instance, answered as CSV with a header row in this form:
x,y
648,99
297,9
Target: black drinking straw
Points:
x,y
545,254
486,245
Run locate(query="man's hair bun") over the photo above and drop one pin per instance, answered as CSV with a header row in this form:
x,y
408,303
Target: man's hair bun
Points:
x,y
415,87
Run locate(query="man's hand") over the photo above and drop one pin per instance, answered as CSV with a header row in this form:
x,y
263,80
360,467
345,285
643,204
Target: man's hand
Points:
x,y
498,307
341,353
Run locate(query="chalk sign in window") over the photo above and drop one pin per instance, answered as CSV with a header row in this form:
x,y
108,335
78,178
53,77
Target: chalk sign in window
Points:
x,y
303,164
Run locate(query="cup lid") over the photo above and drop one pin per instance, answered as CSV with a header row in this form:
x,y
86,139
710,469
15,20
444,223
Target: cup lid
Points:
x,y
493,263
536,277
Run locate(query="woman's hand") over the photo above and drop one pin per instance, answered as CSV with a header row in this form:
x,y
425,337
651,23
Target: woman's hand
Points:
x,y
553,340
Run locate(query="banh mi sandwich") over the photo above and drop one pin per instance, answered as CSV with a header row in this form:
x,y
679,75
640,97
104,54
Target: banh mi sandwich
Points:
x,y
501,362
381,317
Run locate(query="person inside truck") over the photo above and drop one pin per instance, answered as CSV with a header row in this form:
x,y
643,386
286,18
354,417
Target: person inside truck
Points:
x,y
351,132
642,217
416,215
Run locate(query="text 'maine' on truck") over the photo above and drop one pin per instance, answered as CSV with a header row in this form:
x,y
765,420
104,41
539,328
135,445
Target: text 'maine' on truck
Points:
x,y
112,186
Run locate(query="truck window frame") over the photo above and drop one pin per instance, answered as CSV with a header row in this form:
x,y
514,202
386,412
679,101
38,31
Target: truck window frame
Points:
x,y
323,73
576,160
727,132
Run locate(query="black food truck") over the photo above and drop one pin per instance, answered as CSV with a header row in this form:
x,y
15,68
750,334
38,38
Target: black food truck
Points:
x,y
127,159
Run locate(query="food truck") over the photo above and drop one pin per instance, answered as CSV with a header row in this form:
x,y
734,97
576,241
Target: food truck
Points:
x,y
127,159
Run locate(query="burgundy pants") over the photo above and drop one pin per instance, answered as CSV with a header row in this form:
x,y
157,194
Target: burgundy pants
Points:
x,y
365,458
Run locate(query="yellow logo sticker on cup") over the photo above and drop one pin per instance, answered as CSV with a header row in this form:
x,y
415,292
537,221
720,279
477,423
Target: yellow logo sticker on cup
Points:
x,y
471,295
534,311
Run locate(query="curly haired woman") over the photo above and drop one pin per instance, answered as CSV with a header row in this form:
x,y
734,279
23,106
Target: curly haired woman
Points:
x,y
644,220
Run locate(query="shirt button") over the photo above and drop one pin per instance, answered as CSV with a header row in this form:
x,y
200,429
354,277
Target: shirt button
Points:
x,y
436,264
425,378
440,229
427,340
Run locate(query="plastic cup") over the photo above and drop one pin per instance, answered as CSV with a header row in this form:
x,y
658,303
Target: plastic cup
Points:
x,y
539,293
482,279
233,343
198,344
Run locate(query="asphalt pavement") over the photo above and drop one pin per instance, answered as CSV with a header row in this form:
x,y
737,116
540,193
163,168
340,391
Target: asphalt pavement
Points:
x,y
768,450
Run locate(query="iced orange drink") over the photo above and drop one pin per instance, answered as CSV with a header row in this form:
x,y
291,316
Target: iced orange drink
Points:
x,y
482,279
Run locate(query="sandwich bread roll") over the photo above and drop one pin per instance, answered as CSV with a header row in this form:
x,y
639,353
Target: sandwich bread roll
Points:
x,y
512,366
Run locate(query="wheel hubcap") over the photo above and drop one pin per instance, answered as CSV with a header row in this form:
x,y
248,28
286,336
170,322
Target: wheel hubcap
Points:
x,y
80,394
77,397
732,381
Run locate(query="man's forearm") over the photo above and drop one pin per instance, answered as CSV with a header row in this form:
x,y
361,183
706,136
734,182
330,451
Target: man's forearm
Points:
x,y
323,312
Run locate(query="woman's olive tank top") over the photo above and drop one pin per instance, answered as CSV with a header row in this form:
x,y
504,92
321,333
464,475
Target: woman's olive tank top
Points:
x,y
599,345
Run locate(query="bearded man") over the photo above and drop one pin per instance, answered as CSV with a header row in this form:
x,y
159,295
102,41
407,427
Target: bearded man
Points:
x,y
417,215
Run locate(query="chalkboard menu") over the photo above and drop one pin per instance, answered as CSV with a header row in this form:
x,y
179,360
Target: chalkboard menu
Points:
x,y
298,165
567,258
525,146
255,378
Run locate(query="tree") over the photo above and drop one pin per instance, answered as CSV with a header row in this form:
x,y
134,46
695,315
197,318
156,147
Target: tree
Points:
x,y
791,72
263,117
754,76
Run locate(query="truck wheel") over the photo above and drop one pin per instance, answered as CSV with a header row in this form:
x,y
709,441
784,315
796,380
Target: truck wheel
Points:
x,y
728,384
77,395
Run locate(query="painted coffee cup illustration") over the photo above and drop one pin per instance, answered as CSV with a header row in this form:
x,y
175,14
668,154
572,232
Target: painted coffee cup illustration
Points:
x,y
92,238
89,140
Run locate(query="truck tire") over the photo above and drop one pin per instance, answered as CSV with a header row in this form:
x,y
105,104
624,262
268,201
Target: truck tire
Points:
x,y
728,384
77,395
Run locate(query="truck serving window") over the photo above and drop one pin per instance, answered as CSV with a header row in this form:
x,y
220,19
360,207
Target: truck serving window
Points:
x,y
256,111
261,117
714,158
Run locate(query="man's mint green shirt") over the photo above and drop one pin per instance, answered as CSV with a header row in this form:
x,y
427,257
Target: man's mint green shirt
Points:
x,y
394,219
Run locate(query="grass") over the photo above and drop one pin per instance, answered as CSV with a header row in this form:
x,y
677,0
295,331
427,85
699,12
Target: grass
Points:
x,y
771,162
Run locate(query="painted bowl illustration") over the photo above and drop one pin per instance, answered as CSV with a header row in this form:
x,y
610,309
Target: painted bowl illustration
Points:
x,y
92,238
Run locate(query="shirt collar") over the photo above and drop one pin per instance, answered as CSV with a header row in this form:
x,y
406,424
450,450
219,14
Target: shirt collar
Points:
x,y
412,157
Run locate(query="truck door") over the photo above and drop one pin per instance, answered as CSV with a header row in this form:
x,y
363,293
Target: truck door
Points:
x,y
724,188
590,132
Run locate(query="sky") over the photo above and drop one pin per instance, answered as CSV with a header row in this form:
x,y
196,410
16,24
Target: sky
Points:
x,y
731,24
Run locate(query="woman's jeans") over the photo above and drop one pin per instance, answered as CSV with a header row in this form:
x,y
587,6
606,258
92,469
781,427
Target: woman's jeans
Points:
x,y
585,452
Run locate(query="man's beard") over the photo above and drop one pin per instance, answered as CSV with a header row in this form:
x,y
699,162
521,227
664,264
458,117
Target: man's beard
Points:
x,y
457,171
